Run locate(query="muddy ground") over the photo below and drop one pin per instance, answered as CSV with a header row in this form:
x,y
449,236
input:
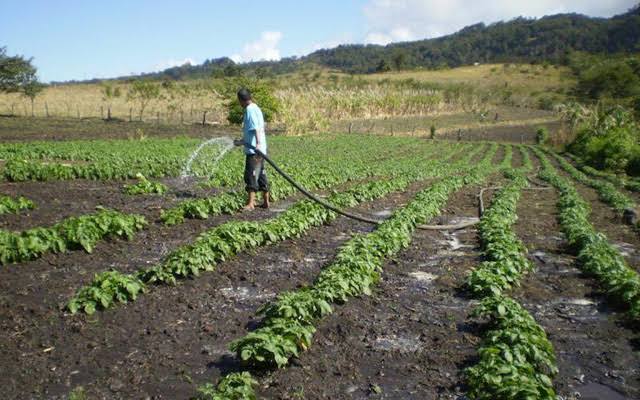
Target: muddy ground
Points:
x,y
410,340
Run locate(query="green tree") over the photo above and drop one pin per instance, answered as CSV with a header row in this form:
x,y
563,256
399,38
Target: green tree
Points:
x,y
16,73
31,90
261,92
383,66
110,92
143,93
400,60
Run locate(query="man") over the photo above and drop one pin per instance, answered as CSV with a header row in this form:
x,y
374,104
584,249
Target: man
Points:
x,y
255,176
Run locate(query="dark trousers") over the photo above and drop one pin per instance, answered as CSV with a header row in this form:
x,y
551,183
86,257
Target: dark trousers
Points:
x,y
255,175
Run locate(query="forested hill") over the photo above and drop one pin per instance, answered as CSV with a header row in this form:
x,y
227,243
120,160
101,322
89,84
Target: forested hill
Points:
x,y
549,38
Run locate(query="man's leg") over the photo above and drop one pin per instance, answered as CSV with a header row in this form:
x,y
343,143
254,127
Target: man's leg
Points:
x,y
251,181
263,185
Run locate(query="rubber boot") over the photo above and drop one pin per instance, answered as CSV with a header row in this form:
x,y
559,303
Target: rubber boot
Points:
x,y
251,201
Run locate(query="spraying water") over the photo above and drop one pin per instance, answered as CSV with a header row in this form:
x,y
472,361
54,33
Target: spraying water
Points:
x,y
225,143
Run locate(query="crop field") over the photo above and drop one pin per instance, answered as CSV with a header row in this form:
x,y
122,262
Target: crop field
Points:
x,y
126,273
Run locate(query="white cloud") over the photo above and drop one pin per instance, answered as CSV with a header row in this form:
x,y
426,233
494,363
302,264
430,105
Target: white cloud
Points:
x,y
401,20
170,63
326,44
265,48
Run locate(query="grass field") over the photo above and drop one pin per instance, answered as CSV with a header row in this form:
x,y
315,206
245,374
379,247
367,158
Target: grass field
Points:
x,y
313,101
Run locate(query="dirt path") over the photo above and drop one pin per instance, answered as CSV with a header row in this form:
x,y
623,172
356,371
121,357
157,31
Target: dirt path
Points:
x,y
592,348
57,200
597,355
607,221
410,339
516,160
169,337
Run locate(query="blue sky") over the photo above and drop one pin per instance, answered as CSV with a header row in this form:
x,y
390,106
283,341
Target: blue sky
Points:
x,y
87,39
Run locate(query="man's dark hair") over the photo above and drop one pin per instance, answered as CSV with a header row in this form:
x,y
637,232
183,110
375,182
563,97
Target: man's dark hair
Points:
x,y
244,94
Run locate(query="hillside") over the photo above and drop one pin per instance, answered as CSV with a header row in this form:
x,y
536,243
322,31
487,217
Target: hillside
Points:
x,y
549,38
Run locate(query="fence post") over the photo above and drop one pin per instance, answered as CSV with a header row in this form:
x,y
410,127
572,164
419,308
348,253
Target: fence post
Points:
x,y
158,117
130,114
109,113
204,118
46,109
350,127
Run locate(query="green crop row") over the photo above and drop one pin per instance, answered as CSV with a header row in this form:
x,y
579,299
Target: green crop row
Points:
x,y
333,172
145,186
289,321
606,190
504,254
527,164
596,255
508,156
621,181
230,238
516,360
72,233
10,205
123,159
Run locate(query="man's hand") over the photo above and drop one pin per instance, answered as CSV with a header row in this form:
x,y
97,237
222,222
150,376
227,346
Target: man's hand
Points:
x,y
238,142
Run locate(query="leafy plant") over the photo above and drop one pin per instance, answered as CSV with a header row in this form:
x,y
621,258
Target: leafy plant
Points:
x,y
516,358
235,386
596,255
72,233
144,186
289,321
11,205
106,288
542,135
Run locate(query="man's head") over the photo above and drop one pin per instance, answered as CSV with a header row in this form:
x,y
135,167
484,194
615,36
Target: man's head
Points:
x,y
244,97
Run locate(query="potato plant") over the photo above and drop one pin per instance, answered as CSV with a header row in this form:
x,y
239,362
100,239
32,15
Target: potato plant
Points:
x,y
9,205
224,241
596,256
289,321
145,186
72,233
516,360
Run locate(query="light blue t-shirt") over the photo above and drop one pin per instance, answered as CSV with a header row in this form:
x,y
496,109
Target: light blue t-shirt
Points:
x,y
252,127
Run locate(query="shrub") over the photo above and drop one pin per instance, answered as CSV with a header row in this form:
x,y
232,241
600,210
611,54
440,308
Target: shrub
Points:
x,y
542,135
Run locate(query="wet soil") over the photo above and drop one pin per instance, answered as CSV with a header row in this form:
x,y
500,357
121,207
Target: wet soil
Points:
x,y
57,200
597,353
410,339
606,220
154,346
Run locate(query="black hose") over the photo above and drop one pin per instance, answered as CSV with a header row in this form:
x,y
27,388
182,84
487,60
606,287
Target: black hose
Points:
x,y
345,213
311,195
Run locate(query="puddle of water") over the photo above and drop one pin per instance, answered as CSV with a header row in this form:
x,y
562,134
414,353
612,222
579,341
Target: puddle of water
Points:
x,y
281,207
596,391
340,237
626,249
394,343
423,276
383,213
581,302
245,293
